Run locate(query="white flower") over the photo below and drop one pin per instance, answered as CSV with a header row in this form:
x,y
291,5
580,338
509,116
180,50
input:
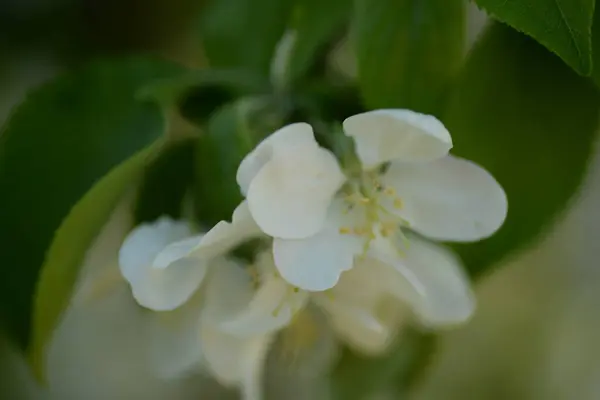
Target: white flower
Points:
x,y
161,280
368,305
164,272
165,264
408,182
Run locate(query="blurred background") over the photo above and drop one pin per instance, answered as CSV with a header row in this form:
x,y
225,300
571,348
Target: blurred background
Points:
x,y
534,335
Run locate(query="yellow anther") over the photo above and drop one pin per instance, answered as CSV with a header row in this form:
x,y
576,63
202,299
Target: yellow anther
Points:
x,y
254,275
398,204
390,191
364,200
345,230
360,231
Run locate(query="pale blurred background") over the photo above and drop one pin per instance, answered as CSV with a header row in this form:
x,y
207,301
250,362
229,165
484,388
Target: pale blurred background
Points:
x,y
534,336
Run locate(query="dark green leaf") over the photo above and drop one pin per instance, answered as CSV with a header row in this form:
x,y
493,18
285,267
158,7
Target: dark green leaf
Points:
x,y
230,134
596,46
65,159
166,182
315,23
563,26
408,51
228,83
244,33
531,121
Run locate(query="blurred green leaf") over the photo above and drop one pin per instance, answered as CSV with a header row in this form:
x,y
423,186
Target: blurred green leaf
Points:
x,y
531,121
408,51
596,46
65,160
563,26
231,133
234,82
243,33
315,23
357,377
166,182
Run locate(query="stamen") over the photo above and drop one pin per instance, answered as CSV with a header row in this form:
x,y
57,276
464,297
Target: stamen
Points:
x,y
398,204
344,230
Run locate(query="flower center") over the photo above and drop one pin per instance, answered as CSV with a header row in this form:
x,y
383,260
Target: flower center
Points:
x,y
375,208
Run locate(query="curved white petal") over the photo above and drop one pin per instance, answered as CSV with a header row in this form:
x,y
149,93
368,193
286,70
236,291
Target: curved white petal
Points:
x,y
431,280
362,310
315,263
174,340
272,308
290,195
253,365
230,358
404,135
234,360
449,199
170,284
142,245
164,289
224,236
176,251
286,139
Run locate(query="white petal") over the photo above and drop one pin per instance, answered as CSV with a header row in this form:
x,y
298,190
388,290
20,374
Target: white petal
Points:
x,y
433,281
228,291
290,195
449,199
142,245
164,289
362,310
175,347
286,139
272,308
224,236
176,251
315,263
228,356
253,365
385,135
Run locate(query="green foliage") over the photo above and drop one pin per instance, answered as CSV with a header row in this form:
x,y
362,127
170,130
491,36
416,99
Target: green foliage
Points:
x,y
531,121
596,47
563,26
408,51
66,156
243,33
166,182
315,23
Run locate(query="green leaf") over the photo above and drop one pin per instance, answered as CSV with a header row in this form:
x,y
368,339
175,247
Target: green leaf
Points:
x,y
231,133
243,33
315,24
66,155
166,182
531,121
596,46
563,26
233,82
408,51
358,377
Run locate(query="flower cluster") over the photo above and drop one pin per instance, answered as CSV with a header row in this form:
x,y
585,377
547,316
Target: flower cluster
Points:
x,y
352,243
